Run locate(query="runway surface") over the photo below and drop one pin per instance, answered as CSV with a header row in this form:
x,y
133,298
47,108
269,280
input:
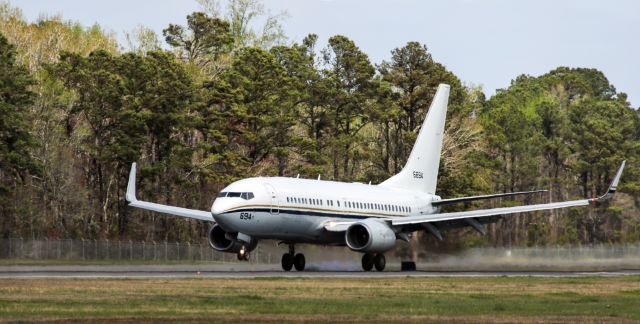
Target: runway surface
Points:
x,y
229,271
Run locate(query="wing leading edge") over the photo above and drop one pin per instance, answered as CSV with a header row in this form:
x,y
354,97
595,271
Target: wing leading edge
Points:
x,y
509,210
178,211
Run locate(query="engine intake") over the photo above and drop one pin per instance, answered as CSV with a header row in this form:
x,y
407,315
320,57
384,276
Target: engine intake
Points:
x,y
370,236
222,241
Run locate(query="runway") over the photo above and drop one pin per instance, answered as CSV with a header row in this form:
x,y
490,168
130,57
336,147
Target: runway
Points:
x,y
231,271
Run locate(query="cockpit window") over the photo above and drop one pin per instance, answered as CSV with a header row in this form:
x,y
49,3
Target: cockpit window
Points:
x,y
247,195
243,195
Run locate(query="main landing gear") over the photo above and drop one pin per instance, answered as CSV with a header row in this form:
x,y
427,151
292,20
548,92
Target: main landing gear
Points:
x,y
291,259
370,260
243,255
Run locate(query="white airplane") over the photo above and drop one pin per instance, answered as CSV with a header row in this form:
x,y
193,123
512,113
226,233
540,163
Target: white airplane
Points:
x,y
366,218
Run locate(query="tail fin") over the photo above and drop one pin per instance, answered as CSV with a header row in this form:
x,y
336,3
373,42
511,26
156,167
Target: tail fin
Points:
x,y
421,171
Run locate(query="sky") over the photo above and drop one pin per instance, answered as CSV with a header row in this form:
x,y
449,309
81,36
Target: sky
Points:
x,y
484,42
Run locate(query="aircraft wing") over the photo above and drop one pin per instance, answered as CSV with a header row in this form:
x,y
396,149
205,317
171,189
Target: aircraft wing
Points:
x,y
178,211
508,210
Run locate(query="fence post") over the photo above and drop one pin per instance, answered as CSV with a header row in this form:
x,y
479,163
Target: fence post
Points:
x,y
83,249
178,248
10,247
22,248
143,245
59,249
119,250
154,250
130,250
166,251
95,249
106,255
188,251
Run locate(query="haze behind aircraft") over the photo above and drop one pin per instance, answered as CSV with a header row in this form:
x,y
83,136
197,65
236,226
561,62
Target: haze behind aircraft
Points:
x,y
366,218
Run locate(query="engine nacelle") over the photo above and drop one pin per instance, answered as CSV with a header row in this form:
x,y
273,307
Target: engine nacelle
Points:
x,y
370,236
222,241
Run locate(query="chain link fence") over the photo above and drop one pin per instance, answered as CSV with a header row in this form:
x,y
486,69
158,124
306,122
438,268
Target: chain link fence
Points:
x,y
548,257
69,249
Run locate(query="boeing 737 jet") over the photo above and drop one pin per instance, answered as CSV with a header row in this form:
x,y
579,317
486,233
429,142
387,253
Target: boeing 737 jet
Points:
x,y
366,218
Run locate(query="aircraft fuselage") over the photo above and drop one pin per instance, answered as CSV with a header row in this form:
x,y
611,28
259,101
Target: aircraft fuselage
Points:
x,y
295,210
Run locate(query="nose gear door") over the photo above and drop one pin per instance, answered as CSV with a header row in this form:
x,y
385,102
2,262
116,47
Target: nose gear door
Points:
x,y
275,202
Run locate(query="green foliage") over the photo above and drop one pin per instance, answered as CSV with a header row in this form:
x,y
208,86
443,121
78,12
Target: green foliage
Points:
x,y
229,102
203,41
16,140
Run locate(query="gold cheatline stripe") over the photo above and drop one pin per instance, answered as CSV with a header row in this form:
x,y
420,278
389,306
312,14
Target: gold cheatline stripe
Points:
x,y
312,209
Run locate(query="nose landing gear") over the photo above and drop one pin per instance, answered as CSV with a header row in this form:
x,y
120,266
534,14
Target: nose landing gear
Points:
x,y
243,255
291,260
370,260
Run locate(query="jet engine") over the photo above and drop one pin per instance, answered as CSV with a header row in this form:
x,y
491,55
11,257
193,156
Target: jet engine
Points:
x,y
370,236
228,242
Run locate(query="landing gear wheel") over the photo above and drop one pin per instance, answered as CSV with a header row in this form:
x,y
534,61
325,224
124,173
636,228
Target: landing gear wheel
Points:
x,y
299,262
379,261
367,262
287,261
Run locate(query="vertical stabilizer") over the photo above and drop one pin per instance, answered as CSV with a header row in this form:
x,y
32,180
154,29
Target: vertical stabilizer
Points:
x,y
421,171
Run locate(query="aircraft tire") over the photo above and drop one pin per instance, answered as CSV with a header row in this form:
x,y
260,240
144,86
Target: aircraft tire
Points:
x,y
367,262
299,262
379,261
287,261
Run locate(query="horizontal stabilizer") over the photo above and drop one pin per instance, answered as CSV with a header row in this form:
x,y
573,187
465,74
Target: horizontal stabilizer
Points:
x,y
450,201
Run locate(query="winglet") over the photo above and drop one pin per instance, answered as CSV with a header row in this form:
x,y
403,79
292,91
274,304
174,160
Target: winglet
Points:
x,y
612,186
131,186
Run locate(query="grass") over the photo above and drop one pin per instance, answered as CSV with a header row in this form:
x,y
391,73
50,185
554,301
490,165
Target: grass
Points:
x,y
444,299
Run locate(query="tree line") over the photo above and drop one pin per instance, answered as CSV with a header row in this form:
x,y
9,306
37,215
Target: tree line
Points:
x,y
219,102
